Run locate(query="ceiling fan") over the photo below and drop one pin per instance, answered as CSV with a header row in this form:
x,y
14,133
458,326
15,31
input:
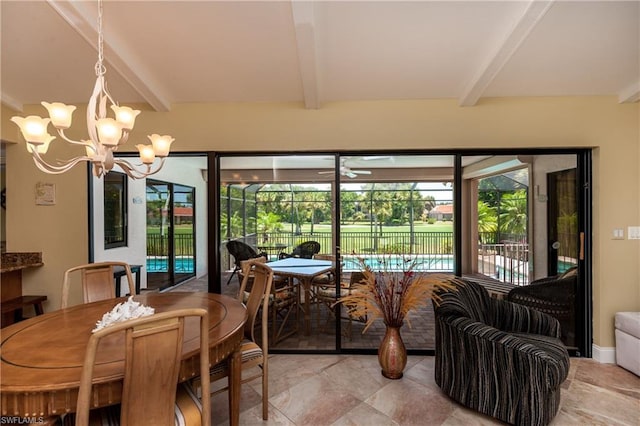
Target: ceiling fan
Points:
x,y
347,171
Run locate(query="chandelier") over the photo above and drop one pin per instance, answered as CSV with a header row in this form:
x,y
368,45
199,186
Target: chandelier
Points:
x,y
105,134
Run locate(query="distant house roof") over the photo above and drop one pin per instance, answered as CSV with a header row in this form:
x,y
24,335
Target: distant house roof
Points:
x,y
183,211
443,208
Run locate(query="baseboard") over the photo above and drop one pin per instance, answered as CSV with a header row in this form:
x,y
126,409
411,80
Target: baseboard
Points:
x,y
604,355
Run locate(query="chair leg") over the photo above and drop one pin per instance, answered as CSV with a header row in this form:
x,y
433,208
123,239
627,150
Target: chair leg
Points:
x,y
232,274
265,389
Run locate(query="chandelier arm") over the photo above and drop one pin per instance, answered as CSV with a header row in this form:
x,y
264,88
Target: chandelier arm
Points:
x,y
71,141
63,167
134,173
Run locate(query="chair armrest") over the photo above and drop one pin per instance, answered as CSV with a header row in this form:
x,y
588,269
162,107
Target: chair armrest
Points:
x,y
513,317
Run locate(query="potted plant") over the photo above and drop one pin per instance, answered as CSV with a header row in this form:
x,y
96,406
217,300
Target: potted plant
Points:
x,y
391,294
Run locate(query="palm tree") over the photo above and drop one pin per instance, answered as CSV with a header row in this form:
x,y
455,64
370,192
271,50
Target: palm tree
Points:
x,y
268,222
487,219
513,213
314,202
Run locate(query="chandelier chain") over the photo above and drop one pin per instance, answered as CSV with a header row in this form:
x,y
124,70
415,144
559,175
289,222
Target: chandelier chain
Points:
x,y
100,68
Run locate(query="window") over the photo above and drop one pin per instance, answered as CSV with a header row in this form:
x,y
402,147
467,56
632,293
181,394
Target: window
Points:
x,y
115,210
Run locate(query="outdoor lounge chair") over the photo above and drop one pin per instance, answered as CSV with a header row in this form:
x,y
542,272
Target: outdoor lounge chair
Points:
x,y
304,250
240,252
555,296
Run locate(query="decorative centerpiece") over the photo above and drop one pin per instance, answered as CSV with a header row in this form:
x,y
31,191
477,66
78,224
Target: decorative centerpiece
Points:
x,y
391,295
122,312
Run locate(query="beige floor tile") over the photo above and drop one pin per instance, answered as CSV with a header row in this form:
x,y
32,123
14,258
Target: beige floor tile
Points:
x,y
585,403
364,414
410,403
315,401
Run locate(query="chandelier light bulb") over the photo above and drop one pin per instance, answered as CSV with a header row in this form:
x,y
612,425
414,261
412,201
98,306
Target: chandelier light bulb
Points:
x,y
161,144
60,114
109,131
40,148
147,155
125,116
33,128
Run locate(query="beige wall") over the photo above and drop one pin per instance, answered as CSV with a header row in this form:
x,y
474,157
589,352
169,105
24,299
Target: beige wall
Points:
x,y
612,129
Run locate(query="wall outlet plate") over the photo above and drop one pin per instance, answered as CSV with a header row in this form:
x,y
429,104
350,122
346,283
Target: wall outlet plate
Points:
x,y
634,232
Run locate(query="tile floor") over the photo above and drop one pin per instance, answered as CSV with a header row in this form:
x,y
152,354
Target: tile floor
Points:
x,y
349,390
345,390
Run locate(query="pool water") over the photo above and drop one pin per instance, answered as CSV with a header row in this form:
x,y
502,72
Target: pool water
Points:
x,y
402,263
181,265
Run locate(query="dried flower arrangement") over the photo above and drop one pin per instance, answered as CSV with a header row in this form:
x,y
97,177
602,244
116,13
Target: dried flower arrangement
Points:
x,y
390,294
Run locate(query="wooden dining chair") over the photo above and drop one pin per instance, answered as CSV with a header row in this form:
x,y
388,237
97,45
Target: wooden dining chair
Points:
x,y
152,358
255,349
97,281
284,314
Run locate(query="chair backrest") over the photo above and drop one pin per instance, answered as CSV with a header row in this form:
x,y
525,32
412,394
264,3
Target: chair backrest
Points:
x,y
306,250
261,275
97,281
241,251
152,357
356,278
469,299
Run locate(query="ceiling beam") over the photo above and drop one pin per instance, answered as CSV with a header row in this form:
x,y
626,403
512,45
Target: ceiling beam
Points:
x,y
533,13
630,94
304,24
11,102
116,53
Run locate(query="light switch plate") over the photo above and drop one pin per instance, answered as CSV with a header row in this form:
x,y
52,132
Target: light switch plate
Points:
x,y
634,232
618,234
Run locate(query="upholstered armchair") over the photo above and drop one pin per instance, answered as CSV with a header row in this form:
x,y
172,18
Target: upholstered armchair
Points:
x,y
499,358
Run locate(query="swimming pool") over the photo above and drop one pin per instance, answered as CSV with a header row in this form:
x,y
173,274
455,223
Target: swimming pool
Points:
x,y
181,265
396,262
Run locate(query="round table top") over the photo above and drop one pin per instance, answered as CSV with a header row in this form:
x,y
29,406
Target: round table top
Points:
x,y
46,352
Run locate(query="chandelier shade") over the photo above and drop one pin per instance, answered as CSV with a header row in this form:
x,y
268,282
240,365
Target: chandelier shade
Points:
x,y
105,134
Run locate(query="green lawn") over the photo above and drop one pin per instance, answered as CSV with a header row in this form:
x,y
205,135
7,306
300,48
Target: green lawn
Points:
x,y
366,227
178,229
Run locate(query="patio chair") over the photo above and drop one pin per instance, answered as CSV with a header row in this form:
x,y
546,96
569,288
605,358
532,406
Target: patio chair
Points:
x,y
556,296
326,295
304,250
240,252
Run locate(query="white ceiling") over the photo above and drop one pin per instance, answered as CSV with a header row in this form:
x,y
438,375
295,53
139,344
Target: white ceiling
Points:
x,y
166,52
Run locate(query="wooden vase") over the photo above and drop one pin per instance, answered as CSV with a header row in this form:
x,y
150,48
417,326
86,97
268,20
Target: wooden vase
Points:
x,y
392,353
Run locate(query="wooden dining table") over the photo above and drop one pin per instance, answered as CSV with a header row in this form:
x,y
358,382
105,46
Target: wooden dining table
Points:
x,y
304,270
42,357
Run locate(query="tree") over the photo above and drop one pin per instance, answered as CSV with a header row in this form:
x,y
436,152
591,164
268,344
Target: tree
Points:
x,y
315,203
269,222
487,220
513,213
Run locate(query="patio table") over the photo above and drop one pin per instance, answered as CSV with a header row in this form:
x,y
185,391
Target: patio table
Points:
x,y
304,270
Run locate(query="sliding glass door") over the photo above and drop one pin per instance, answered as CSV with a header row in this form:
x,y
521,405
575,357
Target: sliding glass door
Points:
x,y
490,218
170,233
396,213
